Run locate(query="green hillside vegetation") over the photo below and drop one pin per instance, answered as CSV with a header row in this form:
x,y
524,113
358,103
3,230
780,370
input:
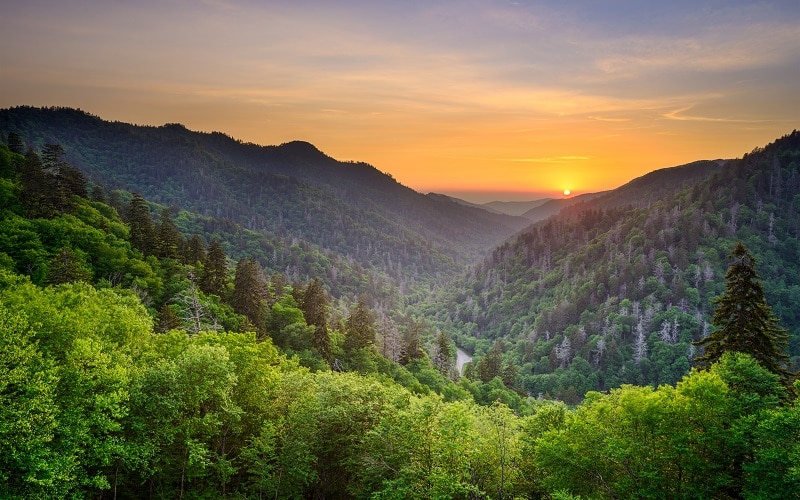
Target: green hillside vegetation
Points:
x,y
292,191
138,363
616,290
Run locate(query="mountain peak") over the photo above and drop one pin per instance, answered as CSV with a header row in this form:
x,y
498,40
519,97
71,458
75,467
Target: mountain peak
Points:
x,y
302,149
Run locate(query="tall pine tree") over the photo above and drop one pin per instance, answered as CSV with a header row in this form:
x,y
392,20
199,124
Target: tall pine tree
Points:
x,y
743,320
358,329
314,305
66,180
143,235
442,357
215,276
168,239
35,187
195,251
411,346
491,365
250,293
66,267
15,144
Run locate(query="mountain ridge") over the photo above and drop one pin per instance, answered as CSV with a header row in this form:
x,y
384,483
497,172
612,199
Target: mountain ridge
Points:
x,y
616,289
293,189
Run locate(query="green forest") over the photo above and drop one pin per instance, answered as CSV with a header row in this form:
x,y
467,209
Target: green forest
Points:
x,y
616,291
150,351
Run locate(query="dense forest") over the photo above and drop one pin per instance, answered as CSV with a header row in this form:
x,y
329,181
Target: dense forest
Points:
x,y
616,290
151,351
291,191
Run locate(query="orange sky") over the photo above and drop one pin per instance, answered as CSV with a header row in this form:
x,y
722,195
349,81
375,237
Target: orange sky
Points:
x,y
451,96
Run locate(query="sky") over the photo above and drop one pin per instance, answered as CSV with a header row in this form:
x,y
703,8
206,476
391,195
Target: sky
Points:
x,y
482,99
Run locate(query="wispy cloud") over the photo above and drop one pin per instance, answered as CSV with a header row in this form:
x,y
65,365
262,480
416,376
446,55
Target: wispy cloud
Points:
x,y
729,48
678,114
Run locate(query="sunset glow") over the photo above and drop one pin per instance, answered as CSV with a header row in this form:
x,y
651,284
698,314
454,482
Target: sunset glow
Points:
x,y
488,96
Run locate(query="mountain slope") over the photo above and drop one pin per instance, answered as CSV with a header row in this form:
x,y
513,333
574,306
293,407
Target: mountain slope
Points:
x,y
615,290
552,207
443,197
515,207
292,190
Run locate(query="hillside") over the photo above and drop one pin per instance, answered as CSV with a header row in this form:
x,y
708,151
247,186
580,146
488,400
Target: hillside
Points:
x,y
552,207
515,207
138,363
614,290
291,191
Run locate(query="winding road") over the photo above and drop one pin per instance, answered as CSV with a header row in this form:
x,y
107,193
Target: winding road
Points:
x,y
461,359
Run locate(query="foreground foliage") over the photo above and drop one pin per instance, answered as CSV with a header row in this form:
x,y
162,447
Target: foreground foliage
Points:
x,y
134,365
94,402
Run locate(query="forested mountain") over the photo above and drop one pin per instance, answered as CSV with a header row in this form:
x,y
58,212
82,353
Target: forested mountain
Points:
x,y
615,290
552,207
292,191
144,352
515,207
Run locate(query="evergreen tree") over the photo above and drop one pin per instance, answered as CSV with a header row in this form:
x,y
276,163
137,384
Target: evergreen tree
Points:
x,y
276,286
115,200
66,180
743,320
98,194
15,144
35,186
250,292
411,347
195,250
66,267
215,276
490,366
142,234
358,329
509,374
52,156
167,320
441,355
314,305
72,181
168,238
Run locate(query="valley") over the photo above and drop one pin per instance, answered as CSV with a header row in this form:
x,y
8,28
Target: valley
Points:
x,y
185,313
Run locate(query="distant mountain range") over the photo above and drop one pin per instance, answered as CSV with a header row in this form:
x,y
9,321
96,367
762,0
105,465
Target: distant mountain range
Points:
x,y
533,210
582,293
554,206
515,207
292,190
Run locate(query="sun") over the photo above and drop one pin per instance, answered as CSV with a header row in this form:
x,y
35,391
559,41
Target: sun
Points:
x,y
567,192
